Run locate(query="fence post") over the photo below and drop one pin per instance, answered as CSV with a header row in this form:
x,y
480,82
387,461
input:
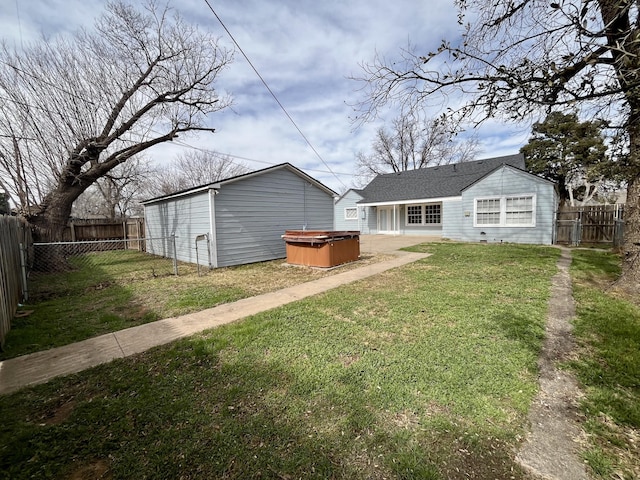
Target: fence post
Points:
x,y
618,233
175,255
23,269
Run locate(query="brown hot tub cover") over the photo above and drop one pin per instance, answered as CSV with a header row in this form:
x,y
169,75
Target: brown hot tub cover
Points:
x,y
321,248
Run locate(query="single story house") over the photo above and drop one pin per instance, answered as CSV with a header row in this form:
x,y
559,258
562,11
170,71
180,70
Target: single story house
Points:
x,y
238,220
493,200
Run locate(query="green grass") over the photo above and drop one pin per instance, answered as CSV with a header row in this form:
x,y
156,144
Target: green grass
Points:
x,y
423,372
608,330
114,290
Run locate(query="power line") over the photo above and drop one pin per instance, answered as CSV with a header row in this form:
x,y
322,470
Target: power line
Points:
x,y
19,24
46,82
206,150
272,93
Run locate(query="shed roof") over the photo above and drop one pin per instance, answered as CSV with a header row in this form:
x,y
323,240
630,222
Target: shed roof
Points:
x,y
219,184
434,182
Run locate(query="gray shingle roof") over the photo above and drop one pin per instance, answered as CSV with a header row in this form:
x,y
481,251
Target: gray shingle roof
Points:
x,y
434,182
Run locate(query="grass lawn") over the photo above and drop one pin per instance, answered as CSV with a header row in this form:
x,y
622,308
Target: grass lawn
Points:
x,y
109,291
423,372
608,366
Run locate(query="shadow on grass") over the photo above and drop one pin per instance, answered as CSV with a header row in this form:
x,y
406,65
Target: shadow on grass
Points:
x,y
208,407
94,296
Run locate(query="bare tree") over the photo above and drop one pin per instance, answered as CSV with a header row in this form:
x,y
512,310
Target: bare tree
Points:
x,y
516,58
73,109
410,144
117,194
192,168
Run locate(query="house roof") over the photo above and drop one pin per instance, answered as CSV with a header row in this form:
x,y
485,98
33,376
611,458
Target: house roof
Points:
x,y
217,185
357,191
433,182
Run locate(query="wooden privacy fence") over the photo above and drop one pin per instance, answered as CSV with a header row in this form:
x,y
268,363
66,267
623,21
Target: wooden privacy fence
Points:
x,y
88,230
590,224
15,237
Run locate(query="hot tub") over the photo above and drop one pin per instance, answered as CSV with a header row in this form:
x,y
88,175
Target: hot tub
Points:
x,y
321,248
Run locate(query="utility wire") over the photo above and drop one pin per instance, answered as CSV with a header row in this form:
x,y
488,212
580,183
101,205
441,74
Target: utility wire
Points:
x,y
272,93
46,82
231,155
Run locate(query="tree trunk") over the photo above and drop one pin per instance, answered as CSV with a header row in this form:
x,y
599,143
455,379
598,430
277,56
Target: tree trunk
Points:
x,y
49,222
48,225
629,281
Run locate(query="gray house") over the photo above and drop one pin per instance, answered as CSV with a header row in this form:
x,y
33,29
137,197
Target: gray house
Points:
x,y
493,200
239,220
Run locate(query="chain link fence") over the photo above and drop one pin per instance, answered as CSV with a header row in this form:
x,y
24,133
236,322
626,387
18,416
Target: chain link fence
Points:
x,y
129,254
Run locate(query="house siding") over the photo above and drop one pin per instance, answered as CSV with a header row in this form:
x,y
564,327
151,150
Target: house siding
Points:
x,y
348,200
369,224
452,219
252,215
504,181
409,229
185,218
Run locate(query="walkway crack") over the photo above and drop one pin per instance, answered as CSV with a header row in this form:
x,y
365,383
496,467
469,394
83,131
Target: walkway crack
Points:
x,y
119,346
550,449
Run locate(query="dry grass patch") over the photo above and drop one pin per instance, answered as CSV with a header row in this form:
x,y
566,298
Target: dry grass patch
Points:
x,y
112,292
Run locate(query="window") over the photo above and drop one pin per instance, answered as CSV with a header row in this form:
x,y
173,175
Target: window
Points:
x,y
432,214
519,211
428,214
488,211
351,213
505,211
414,215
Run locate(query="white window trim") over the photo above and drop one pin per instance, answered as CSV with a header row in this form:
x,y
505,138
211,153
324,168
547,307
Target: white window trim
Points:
x,y
503,211
350,218
423,212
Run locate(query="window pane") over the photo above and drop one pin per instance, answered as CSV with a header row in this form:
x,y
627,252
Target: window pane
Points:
x,y
519,211
488,211
414,214
432,214
351,213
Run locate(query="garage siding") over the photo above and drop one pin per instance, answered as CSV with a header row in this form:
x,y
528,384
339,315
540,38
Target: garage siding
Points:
x,y
252,215
186,218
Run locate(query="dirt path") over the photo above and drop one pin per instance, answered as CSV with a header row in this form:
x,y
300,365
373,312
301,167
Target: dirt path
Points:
x,y
550,450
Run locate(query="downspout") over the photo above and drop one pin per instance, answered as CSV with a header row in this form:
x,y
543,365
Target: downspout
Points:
x,y
213,240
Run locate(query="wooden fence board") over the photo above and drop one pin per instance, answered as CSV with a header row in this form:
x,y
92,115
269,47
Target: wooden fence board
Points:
x,y
88,230
598,223
13,233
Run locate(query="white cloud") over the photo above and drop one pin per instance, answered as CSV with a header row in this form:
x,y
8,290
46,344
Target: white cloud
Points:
x,y
305,50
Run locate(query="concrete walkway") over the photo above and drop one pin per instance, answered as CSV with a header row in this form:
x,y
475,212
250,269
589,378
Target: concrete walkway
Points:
x,y
551,449
42,366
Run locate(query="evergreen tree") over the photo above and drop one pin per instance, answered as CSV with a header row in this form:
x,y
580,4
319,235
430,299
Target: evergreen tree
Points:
x,y
570,153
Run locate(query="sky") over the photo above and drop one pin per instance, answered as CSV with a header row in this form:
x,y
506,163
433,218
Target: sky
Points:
x,y
306,51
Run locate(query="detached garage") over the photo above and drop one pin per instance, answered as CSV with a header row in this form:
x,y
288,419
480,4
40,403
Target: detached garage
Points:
x,y
239,220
